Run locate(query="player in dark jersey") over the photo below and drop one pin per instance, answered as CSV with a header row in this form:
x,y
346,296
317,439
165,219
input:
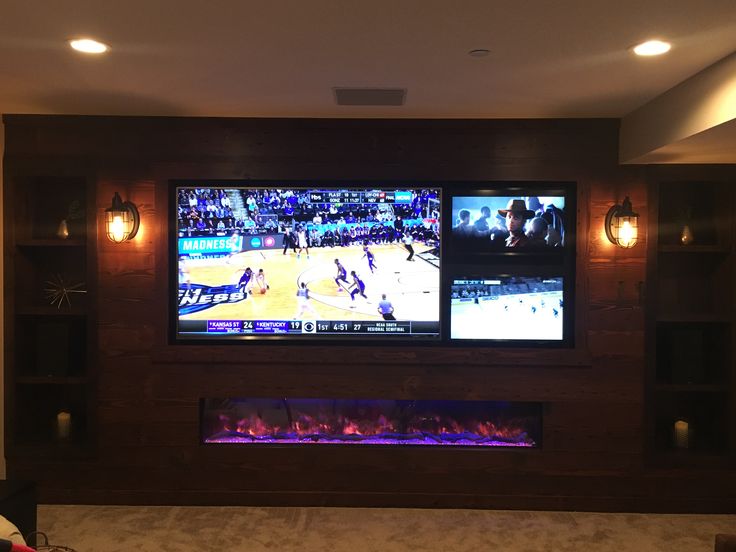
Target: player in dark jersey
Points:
x,y
359,288
342,276
245,284
371,258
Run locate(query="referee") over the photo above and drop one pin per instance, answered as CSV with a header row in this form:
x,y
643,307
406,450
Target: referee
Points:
x,y
385,308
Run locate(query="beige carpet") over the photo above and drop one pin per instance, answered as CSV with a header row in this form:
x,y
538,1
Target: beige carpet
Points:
x,y
235,529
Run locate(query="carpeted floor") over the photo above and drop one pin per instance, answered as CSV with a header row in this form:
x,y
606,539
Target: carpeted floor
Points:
x,y
226,529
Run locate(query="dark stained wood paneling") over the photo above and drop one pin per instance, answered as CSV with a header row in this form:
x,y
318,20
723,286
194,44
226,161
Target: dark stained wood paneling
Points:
x,y
147,432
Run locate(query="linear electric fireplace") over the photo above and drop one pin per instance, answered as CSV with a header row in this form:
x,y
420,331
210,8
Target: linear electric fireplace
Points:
x,y
251,421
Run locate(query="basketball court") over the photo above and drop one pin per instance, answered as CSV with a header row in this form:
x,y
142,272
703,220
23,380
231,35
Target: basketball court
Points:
x,y
411,286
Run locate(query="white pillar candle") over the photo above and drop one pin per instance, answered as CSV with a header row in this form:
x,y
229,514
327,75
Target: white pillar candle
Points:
x,y
682,438
63,424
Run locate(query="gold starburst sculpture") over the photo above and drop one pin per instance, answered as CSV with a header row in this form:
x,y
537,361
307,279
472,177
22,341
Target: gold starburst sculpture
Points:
x,y
58,291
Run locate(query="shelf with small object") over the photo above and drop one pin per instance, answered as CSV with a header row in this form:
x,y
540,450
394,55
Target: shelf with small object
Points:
x,y
693,422
50,209
43,274
690,410
48,323
49,414
694,214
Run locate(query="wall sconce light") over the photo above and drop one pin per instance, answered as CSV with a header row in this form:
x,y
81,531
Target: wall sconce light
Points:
x,y
121,220
622,225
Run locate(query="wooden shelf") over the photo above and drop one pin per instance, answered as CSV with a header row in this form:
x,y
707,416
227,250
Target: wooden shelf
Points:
x,y
692,388
51,451
52,242
52,311
51,380
691,327
686,458
693,317
694,249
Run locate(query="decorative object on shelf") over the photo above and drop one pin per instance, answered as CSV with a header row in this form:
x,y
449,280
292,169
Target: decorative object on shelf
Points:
x,y
686,236
682,434
63,425
622,224
58,291
74,213
63,231
122,220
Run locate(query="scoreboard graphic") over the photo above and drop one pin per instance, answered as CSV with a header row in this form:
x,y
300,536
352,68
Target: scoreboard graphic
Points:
x,y
206,328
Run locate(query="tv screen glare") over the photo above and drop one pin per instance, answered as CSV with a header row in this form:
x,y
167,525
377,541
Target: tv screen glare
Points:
x,y
292,261
508,308
516,223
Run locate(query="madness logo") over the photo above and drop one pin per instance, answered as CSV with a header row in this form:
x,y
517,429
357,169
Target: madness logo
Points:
x,y
198,297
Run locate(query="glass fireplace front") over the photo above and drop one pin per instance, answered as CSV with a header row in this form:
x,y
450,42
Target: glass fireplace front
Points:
x,y
250,421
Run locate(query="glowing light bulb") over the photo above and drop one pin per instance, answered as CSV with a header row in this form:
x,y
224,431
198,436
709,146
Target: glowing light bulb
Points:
x,y
626,234
117,229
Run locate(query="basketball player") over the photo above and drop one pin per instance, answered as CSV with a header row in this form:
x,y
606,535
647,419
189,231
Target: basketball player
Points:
x,y
245,284
302,301
235,245
342,276
261,281
371,258
359,288
303,242
184,275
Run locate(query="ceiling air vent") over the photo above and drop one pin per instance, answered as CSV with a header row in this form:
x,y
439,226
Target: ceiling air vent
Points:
x,y
370,96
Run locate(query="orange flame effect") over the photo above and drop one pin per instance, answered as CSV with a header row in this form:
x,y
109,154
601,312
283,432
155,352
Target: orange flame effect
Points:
x,y
339,424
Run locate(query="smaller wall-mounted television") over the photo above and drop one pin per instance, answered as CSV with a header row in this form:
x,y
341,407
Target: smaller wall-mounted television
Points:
x,y
305,261
520,219
523,310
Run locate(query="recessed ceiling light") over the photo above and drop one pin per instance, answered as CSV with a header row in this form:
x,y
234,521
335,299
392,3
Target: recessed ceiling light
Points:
x,y
88,46
652,48
480,52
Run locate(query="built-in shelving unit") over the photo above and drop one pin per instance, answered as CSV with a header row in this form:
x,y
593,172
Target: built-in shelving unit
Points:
x,y
49,359
691,325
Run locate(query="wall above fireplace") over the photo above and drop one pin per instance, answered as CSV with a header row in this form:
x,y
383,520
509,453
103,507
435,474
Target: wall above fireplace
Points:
x,y
141,394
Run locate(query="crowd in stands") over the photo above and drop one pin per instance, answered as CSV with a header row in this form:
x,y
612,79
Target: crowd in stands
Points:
x,y
203,212
521,287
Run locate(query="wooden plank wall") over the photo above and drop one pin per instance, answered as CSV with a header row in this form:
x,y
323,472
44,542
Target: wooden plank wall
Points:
x,y
148,390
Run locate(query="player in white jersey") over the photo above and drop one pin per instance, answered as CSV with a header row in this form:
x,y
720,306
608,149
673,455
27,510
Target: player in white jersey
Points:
x,y
303,241
261,281
303,305
185,277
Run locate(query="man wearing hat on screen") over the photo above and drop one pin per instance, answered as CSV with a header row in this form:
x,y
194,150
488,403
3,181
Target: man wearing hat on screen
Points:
x,y
516,215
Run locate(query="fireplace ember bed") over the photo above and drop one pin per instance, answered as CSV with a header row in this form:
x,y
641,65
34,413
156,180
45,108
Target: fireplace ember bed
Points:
x,y
300,421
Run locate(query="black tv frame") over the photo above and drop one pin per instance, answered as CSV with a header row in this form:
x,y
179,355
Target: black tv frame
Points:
x,y
455,262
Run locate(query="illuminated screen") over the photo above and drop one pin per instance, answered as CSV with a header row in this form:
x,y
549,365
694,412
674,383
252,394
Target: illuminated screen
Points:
x,y
507,308
305,263
509,223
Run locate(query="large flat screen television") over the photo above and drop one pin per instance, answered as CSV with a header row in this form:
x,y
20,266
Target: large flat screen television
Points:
x,y
523,310
305,261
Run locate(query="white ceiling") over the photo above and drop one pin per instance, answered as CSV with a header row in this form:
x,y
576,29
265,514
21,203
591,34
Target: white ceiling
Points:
x,y
549,58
